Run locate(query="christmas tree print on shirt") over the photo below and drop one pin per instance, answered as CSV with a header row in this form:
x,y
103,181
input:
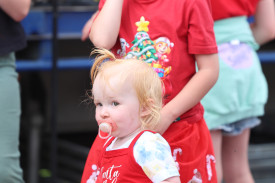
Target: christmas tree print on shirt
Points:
x,y
145,49
153,52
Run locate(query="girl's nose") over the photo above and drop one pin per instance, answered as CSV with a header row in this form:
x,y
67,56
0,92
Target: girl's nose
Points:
x,y
104,112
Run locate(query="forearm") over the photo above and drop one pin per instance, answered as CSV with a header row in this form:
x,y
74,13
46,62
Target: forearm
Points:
x,y
264,26
87,27
172,180
105,29
16,9
193,92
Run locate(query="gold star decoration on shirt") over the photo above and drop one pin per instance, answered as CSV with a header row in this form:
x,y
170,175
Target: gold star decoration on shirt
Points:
x,y
142,25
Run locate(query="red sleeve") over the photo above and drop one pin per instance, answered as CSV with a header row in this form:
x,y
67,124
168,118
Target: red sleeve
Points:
x,y
201,38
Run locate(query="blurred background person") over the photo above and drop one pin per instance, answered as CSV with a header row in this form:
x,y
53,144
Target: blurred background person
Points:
x,y
233,105
12,39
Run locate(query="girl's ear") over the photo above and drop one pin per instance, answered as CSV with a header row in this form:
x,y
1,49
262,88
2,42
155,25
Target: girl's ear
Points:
x,y
145,109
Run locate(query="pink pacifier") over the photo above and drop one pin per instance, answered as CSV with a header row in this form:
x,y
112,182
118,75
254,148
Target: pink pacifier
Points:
x,y
105,128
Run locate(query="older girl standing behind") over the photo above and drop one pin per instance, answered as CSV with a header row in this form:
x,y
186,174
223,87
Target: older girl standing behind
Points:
x,y
233,105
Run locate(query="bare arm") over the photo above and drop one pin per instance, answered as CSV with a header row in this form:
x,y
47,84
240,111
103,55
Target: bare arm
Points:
x,y
264,27
16,9
193,92
105,28
87,27
171,180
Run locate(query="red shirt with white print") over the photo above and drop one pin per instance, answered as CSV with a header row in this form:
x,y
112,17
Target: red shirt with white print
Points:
x,y
167,34
120,165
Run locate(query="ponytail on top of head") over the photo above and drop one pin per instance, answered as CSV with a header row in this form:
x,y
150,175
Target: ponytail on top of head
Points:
x,y
102,55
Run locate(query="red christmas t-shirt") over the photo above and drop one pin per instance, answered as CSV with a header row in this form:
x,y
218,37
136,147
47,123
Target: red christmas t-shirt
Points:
x,y
167,34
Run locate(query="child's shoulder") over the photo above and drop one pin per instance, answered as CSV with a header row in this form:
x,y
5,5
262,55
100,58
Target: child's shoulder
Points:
x,y
152,151
151,140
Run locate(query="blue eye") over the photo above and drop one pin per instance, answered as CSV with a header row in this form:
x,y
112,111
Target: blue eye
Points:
x,y
115,103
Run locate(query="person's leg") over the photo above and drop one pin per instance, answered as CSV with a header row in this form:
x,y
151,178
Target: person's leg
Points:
x,y
10,170
235,158
216,137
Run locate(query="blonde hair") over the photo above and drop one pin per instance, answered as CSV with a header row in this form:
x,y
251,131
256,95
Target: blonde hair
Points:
x,y
145,80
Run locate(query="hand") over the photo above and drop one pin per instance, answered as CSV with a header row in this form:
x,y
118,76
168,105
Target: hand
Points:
x,y
165,121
